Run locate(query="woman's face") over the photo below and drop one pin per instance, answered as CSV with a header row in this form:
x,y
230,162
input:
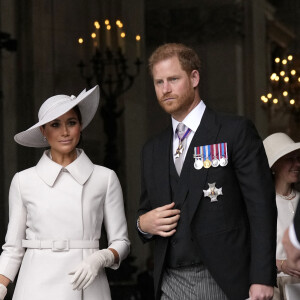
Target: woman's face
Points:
x,y
287,168
63,133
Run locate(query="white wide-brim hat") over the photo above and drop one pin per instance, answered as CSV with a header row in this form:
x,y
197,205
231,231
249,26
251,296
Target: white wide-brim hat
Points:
x,y
278,145
55,107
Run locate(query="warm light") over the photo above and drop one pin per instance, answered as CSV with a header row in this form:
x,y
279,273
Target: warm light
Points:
x,y
264,98
290,57
118,22
138,37
108,27
293,72
285,93
123,35
277,78
292,101
106,22
275,101
299,79
269,95
273,76
286,79
93,35
97,25
282,73
277,60
80,40
284,62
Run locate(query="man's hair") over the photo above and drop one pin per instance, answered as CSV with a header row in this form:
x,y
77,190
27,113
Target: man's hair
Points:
x,y
188,58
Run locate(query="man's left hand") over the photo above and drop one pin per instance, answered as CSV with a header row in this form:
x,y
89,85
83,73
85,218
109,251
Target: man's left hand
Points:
x,y
261,292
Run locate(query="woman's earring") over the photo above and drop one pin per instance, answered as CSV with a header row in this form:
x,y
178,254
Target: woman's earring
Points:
x,y
45,139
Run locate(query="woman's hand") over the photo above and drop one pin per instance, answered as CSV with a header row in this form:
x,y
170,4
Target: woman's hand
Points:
x,y
87,271
285,268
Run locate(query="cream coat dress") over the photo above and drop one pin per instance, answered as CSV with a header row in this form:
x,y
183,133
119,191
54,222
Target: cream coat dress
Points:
x,y
49,202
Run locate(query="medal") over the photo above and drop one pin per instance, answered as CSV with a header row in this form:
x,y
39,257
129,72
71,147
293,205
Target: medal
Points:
x,y
198,155
215,162
224,159
207,162
198,164
212,192
180,148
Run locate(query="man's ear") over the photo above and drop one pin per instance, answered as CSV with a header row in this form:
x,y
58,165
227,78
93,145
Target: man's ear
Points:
x,y
195,78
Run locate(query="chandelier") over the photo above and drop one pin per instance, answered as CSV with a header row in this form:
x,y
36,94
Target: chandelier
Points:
x,y
108,66
283,95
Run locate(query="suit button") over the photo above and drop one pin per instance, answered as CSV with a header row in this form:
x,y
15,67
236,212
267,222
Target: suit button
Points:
x,y
174,243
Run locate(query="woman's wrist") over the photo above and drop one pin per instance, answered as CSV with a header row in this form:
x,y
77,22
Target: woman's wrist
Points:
x,y
281,265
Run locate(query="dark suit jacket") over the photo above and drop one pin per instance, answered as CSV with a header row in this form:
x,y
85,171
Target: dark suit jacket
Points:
x,y
297,222
236,235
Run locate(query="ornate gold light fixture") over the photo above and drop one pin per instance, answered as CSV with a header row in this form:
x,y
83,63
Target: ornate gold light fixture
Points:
x,y
108,66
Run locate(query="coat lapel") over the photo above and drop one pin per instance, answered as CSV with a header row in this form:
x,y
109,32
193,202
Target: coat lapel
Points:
x,y
191,180
206,134
162,166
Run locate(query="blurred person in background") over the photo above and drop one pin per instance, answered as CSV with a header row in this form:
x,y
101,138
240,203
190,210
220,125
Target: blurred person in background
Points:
x,y
284,160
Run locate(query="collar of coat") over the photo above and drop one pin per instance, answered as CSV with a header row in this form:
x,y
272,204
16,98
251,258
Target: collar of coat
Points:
x,y
80,169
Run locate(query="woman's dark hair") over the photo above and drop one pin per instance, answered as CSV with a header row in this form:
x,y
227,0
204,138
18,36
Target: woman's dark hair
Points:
x,y
78,113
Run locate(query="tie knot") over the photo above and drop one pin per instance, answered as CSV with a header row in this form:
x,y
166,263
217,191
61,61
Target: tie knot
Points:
x,y
181,128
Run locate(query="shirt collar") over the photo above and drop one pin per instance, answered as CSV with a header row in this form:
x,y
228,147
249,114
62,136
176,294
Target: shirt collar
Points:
x,y
80,169
193,119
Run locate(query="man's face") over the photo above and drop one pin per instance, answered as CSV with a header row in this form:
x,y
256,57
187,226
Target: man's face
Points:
x,y
175,89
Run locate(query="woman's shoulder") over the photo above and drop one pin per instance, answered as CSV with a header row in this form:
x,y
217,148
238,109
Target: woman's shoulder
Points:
x,y
103,170
26,172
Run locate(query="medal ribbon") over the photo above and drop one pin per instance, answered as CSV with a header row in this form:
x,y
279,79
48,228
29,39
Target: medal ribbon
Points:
x,y
226,150
207,152
188,131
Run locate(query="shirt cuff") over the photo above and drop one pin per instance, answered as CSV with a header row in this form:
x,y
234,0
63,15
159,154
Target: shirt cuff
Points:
x,y
293,237
145,234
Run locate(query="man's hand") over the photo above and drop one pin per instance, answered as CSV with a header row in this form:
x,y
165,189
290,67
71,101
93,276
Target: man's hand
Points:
x,y
293,254
261,292
160,221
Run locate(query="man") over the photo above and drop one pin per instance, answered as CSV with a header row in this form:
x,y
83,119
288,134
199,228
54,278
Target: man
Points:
x,y
291,242
207,196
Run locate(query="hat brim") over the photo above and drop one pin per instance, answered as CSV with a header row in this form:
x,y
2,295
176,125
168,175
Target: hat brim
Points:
x,y
87,102
284,151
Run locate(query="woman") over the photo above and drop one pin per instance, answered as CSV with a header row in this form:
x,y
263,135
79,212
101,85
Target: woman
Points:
x,y
284,160
57,210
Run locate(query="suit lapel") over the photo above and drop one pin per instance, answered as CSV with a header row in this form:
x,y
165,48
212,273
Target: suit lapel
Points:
x,y
206,134
191,180
162,166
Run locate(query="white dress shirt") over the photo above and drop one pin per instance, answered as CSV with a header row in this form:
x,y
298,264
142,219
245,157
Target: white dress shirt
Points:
x,y
192,121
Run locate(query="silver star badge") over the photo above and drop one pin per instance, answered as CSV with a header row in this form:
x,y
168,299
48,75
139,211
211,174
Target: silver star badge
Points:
x,y
212,192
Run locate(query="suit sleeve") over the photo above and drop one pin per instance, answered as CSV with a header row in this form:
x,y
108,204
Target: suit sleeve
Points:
x,y
297,223
114,219
145,204
257,187
13,252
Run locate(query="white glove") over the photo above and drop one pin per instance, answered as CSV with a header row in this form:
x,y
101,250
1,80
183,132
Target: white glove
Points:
x,y
3,291
86,272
